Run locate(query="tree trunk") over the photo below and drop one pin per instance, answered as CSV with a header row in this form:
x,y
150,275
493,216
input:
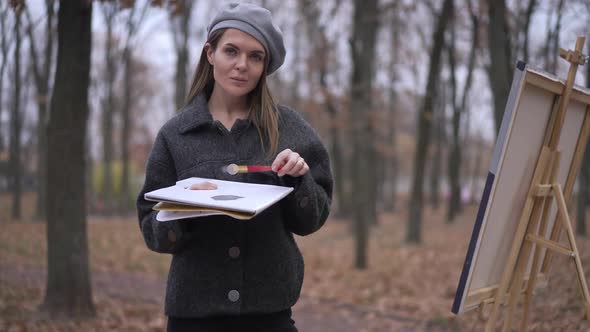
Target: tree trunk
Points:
x,y
293,95
379,158
181,37
547,47
44,110
554,53
181,77
4,49
424,126
15,125
456,155
375,161
439,138
42,73
68,292
318,63
108,110
337,162
392,164
126,130
364,32
500,70
479,149
335,145
126,200
91,194
466,88
454,159
455,205
527,22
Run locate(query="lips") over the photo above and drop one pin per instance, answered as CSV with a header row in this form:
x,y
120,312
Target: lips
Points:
x,y
237,79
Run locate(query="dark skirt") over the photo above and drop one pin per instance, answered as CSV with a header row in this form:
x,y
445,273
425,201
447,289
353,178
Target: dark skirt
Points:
x,y
275,322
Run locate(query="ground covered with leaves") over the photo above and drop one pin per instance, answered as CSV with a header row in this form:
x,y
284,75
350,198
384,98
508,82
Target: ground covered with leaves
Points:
x,y
405,287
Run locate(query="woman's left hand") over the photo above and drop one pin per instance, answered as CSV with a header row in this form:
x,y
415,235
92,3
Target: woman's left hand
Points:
x,y
291,163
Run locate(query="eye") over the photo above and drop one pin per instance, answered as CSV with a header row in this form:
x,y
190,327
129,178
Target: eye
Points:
x,y
230,51
257,57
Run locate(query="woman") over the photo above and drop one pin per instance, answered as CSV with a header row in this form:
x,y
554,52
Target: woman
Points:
x,y
226,274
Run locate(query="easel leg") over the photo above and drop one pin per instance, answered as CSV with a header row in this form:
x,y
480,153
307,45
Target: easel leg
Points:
x,y
537,249
572,240
533,275
523,259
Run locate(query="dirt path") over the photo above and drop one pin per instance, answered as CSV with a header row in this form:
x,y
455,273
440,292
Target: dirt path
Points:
x,y
310,315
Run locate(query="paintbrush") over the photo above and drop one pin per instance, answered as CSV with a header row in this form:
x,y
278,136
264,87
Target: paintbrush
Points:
x,y
234,169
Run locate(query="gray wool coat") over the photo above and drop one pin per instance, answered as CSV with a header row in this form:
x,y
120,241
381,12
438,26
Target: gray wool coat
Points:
x,y
220,265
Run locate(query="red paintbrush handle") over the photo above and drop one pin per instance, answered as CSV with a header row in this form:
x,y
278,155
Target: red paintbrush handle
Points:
x,y
259,168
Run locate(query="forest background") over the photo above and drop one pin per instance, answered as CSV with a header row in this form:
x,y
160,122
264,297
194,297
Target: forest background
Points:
x,y
407,96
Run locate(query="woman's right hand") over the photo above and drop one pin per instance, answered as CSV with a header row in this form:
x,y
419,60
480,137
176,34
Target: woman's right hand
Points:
x,y
290,163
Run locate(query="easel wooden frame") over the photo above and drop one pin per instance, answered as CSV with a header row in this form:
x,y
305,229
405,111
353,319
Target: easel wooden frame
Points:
x,y
533,222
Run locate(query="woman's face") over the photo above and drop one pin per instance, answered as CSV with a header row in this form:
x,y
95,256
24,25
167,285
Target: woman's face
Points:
x,y
238,62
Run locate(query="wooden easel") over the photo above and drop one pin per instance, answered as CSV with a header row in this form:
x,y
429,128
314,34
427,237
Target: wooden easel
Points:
x,y
530,234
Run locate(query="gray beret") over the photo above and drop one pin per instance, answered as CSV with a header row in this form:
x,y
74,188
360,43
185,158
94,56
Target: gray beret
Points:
x,y
257,22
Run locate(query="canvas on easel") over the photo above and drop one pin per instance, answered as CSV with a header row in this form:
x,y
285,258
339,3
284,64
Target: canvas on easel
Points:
x,y
521,162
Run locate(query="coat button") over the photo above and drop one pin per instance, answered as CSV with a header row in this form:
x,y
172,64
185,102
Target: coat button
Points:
x,y
234,252
171,236
303,202
233,295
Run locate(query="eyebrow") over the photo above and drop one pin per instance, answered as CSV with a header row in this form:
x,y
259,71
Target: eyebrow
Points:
x,y
255,51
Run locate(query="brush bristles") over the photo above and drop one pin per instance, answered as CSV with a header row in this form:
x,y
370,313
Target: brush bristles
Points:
x,y
234,169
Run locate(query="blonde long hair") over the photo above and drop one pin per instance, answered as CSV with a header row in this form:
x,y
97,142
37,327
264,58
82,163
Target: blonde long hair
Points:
x,y
263,109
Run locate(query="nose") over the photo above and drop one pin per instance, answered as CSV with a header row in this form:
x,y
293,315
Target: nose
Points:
x,y
242,62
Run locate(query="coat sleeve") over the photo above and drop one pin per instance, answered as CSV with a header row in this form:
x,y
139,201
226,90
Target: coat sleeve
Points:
x,y
306,209
162,237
